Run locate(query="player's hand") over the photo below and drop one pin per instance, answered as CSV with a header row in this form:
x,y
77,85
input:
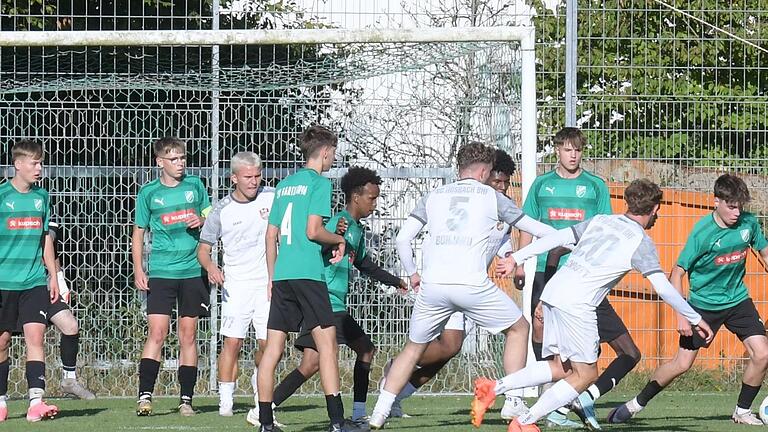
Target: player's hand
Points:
x,y
338,252
538,313
215,275
194,221
402,289
416,282
505,266
683,326
341,226
140,279
519,278
704,331
53,288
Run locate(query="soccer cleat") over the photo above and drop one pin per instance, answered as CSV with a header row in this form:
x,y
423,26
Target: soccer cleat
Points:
x,y
747,418
273,428
186,410
513,407
515,426
377,420
358,424
584,407
556,419
3,413
41,411
485,396
71,386
144,407
225,408
253,417
621,414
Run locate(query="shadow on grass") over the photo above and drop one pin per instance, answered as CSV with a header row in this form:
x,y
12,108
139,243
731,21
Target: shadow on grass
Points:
x,y
83,412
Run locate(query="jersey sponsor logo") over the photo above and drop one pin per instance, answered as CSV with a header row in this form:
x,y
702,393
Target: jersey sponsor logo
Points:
x,y
24,223
550,189
731,257
566,214
177,216
581,190
264,213
745,234
159,201
10,205
38,204
189,196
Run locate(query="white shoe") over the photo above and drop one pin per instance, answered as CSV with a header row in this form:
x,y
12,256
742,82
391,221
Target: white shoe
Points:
x,y
377,420
747,418
225,408
253,418
514,407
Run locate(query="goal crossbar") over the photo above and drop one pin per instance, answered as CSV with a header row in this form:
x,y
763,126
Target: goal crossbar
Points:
x,y
265,37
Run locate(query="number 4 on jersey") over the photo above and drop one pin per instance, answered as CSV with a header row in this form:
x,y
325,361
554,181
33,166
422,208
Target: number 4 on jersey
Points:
x,y
285,224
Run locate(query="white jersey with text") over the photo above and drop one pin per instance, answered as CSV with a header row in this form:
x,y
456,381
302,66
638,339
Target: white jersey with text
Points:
x,y
459,218
242,228
607,247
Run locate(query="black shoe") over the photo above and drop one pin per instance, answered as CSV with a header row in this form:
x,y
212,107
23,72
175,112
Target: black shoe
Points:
x,y
272,428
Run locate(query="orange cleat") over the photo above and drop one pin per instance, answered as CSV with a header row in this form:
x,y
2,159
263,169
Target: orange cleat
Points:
x,y
485,396
41,411
515,426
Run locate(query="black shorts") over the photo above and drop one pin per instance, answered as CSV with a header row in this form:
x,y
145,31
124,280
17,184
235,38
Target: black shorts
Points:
x,y
191,295
609,324
347,331
22,307
299,303
743,320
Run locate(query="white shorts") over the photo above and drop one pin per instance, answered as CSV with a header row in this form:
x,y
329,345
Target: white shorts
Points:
x,y
244,303
571,336
486,305
458,321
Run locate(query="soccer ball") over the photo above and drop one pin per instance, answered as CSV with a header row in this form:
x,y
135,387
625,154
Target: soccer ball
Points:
x,y
764,411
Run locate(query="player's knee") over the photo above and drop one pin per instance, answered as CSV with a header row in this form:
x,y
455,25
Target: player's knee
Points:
x,y
309,366
67,324
157,335
760,357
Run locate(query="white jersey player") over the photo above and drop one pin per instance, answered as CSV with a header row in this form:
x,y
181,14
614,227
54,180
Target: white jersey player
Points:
x,y
240,221
607,247
459,218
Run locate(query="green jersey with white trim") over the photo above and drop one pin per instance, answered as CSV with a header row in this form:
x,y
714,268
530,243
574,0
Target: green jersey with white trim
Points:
x,y
715,259
298,196
23,224
164,210
561,203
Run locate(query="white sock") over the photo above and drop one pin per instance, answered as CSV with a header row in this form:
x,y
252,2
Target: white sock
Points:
x,y
593,392
742,411
226,391
406,392
68,374
531,375
358,410
3,400
384,403
515,393
634,406
560,394
36,396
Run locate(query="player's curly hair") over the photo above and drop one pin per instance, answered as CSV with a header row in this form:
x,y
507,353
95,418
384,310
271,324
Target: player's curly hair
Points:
x,y
474,152
315,138
641,196
570,135
26,147
165,145
732,189
355,180
503,163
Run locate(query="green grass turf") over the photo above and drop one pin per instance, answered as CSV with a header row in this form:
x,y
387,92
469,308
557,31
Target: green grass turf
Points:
x,y
670,411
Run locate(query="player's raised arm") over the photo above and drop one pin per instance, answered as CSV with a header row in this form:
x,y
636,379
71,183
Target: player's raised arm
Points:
x,y
374,271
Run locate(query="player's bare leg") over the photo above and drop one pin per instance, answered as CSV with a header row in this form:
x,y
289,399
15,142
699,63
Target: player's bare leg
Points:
x,y
230,352
66,322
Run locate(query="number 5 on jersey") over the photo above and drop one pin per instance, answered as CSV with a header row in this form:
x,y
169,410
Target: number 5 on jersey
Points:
x,y
285,224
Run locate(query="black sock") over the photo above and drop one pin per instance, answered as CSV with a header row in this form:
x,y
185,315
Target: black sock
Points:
x,y
747,395
288,386
360,378
69,347
618,369
148,370
187,378
35,372
5,368
649,391
266,417
537,347
335,408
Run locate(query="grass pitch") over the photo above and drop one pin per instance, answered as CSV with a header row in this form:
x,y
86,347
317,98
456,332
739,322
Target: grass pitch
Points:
x,y
670,411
